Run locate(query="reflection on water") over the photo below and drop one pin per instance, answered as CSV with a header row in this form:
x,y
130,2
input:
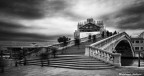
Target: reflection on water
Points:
x,y
131,62
126,62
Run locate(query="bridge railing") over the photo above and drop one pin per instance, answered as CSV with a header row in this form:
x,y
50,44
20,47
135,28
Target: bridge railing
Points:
x,y
108,57
70,43
107,40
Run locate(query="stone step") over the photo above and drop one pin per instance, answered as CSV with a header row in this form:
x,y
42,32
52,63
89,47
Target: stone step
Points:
x,y
69,62
84,65
83,68
72,66
55,59
78,67
71,59
61,57
101,64
65,64
67,59
93,60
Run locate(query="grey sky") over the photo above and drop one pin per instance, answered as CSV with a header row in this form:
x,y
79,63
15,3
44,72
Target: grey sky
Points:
x,y
45,19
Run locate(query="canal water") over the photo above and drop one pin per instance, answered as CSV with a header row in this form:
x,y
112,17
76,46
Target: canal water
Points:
x,y
131,62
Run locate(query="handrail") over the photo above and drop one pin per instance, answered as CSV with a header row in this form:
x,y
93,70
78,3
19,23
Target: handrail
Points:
x,y
70,43
106,40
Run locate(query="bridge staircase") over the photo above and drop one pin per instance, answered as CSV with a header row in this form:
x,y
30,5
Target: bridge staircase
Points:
x,y
72,62
88,56
72,57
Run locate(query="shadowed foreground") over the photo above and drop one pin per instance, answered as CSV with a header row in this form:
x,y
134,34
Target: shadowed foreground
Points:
x,y
50,71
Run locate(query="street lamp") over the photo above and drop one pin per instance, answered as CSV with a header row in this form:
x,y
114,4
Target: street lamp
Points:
x,y
139,52
1,53
2,49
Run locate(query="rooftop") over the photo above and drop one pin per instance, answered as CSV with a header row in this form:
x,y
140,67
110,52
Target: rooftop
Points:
x,y
137,38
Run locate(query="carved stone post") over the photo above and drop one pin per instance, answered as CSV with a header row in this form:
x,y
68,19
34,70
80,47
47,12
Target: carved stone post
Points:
x,y
117,59
87,51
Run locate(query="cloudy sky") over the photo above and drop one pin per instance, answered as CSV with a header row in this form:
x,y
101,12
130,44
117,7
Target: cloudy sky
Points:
x,y
46,19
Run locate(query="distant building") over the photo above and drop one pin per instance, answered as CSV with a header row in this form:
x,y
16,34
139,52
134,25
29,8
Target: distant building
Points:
x,y
138,44
90,26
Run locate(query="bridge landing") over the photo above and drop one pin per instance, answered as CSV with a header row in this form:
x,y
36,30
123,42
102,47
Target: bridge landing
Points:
x,y
78,50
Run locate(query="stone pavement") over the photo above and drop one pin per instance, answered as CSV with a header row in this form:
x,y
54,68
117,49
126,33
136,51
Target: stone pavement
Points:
x,y
51,71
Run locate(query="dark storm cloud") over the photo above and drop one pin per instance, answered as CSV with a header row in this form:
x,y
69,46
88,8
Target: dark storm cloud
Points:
x,y
57,4
32,9
11,35
8,31
6,25
130,17
18,36
136,8
60,8
12,10
21,8
57,7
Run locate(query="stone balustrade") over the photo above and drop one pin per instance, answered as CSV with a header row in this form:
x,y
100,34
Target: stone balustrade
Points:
x,y
107,57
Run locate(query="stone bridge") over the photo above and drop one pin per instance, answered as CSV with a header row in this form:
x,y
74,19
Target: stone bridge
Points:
x,y
111,49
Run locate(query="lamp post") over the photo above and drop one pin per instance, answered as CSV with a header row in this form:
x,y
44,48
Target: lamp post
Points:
x,y
1,53
138,59
24,55
139,52
2,49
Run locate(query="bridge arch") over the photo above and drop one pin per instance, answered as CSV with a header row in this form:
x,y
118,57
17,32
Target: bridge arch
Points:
x,y
124,46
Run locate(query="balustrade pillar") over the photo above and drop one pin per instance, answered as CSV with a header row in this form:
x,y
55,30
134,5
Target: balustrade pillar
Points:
x,y
87,51
117,59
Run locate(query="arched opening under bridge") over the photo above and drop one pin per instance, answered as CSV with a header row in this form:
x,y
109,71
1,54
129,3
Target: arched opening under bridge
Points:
x,y
124,47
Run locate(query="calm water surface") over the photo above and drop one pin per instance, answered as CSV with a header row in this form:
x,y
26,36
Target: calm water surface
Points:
x,y
131,62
